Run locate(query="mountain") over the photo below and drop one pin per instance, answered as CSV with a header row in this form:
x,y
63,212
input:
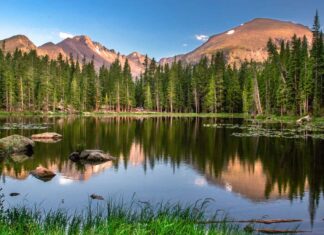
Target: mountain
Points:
x,y
137,58
245,42
79,47
82,46
21,42
51,50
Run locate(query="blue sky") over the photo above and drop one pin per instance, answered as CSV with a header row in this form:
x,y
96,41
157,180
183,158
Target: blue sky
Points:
x,y
157,27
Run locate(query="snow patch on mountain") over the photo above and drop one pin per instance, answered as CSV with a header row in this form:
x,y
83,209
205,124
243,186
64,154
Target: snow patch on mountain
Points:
x,y
98,51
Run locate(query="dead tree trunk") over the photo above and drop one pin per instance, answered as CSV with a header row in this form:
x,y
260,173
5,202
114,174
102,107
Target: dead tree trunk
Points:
x,y
256,95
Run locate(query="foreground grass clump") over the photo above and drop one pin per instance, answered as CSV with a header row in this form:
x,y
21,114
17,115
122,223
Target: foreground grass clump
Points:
x,y
116,218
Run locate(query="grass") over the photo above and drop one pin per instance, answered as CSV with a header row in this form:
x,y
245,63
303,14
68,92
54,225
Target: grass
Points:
x,y
116,218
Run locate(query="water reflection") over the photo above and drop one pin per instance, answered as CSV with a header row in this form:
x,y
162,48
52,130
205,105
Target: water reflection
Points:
x,y
256,168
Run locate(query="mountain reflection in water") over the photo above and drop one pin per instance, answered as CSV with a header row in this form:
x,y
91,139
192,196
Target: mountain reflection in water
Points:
x,y
257,168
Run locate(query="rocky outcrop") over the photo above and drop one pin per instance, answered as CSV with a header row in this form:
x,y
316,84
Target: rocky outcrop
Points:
x,y
88,156
43,173
16,144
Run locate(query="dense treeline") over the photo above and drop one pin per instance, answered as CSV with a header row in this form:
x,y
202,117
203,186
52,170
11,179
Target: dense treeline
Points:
x,y
289,82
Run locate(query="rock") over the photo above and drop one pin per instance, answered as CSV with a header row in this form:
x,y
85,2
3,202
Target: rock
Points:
x,y
48,141
14,194
304,119
17,144
85,153
90,156
46,136
96,197
98,157
19,158
42,173
75,156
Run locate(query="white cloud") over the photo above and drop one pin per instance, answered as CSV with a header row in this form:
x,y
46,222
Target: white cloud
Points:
x,y
184,44
201,37
63,35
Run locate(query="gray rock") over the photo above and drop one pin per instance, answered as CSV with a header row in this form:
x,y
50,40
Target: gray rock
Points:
x,y
90,156
75,156
19,158
96,197
16,144
85,153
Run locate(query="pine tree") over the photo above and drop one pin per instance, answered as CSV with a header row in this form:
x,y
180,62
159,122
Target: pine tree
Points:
x,y
148,103
128,86
317,62
210,102
171,90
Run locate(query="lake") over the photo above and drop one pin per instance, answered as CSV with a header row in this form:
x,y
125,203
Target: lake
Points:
x,y
172,159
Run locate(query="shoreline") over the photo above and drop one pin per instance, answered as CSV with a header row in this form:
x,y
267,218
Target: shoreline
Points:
x,y
260,118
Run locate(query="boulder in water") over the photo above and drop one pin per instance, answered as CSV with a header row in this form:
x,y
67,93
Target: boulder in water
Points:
x,y
16,144
19,158
96,197
90,156
46,136
43,173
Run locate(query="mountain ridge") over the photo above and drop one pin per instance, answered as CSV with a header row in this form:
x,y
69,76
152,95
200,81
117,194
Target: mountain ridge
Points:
x,y
245,42
79,47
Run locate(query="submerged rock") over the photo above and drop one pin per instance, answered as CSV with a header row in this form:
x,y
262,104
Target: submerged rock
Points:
x,y
96,197
43,173
47,136
16,144
90,156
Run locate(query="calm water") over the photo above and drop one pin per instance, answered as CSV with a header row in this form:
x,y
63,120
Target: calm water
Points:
x,y
178,160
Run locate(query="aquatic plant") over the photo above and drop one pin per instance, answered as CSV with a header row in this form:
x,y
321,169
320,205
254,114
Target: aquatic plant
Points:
x,y
24,126
314,130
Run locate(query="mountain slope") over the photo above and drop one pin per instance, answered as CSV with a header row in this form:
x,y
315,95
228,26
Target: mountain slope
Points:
x,y
83,47
51,50
79,47
21,42
247,41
